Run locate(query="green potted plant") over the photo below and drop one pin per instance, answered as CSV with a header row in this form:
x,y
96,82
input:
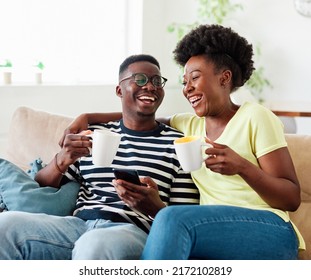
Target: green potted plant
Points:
x,y
216,11
7,71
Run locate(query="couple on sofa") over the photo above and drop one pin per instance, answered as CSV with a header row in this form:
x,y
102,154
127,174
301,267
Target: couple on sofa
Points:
x,y
245,188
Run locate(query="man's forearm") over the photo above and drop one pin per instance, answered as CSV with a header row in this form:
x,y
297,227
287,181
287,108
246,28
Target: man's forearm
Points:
x,y
51,175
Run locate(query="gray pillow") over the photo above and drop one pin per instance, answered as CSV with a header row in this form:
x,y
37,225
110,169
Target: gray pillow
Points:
x,y
20,192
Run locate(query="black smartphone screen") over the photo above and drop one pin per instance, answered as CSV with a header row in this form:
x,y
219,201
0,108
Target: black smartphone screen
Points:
x,y
129,175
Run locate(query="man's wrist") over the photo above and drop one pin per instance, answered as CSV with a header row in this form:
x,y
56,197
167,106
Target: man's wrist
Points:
x,y
57,167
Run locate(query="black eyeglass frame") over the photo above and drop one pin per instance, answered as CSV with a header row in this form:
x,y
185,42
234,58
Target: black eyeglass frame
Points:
x,y
163,80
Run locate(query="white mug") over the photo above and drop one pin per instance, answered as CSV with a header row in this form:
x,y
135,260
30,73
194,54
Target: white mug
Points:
x,y
105,146
189,152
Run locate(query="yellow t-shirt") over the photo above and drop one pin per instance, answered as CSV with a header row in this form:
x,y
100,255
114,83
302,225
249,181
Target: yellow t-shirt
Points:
x,y
252,132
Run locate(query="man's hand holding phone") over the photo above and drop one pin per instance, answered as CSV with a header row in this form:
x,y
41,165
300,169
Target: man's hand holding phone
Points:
x,y
129,175
138,193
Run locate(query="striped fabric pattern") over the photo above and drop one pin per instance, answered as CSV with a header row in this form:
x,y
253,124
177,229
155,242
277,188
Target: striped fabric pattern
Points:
x,y
152,154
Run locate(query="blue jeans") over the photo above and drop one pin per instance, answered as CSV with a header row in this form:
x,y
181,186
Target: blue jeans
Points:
x,y
219,232
40,236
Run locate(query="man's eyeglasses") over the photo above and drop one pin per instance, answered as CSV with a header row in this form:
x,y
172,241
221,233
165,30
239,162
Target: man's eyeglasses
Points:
x,y
142,79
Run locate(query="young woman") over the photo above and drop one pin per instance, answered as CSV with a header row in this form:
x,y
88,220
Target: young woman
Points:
x,y
249,184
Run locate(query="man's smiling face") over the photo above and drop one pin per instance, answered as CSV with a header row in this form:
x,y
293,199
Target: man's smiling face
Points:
x,y
140,101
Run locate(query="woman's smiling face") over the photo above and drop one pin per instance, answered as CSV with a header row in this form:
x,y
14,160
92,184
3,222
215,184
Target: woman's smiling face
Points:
x,y
203,86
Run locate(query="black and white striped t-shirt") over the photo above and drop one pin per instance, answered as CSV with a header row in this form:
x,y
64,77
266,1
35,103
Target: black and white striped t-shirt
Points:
x,y
152,153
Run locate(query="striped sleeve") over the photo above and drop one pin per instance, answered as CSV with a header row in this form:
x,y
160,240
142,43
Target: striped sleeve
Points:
x,y
183,190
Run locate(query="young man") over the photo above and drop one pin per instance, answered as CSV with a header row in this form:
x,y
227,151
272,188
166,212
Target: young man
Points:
x,y
112,217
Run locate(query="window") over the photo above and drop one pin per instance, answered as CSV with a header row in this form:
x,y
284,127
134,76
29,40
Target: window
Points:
x,y
78,41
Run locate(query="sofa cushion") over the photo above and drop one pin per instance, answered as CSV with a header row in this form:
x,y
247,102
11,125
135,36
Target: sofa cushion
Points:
x,y
34,134
20,192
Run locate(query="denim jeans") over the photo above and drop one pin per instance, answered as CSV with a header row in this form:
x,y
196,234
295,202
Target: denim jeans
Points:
x,y
219,232
40,236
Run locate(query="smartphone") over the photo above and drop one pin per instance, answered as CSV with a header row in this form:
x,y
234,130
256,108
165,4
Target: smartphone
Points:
x,y
129,175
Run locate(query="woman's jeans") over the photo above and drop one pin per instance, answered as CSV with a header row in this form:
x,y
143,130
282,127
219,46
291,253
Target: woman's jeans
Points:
x,y
39,236
219,232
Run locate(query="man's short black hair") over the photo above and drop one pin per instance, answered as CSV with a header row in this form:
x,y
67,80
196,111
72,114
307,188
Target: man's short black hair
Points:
x,y
137,58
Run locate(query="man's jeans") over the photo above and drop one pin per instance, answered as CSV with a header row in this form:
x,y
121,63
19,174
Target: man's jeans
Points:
x,y
220,232
40,236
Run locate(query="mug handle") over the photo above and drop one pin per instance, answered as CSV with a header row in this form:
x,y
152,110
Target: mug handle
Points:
x,y
91,139
208,146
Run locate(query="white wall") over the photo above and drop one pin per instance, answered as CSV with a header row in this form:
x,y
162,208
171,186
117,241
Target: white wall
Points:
x,y
284,36
283,33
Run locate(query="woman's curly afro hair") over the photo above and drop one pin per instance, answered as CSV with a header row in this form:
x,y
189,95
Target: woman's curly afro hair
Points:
x,y
222,46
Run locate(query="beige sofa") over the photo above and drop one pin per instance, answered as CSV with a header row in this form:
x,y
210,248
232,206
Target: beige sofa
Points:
x,y
35,134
